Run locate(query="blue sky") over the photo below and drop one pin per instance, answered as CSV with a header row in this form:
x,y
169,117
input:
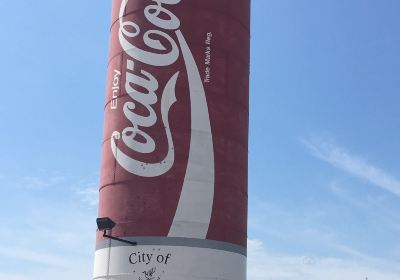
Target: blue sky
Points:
x,y
323,157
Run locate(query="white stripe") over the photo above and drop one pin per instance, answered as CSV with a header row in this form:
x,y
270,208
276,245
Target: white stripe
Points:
x,y
193,215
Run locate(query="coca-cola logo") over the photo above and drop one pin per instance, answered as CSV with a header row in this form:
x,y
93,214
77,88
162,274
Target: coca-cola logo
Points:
x,y
199,177
161,56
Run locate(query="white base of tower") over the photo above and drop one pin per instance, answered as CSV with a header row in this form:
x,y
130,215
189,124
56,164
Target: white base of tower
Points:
x,y
161,262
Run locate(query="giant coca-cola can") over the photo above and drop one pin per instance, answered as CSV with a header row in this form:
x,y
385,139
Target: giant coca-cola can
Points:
x,y
174,162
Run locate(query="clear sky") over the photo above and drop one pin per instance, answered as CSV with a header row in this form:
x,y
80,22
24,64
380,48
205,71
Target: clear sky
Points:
x,y
324,139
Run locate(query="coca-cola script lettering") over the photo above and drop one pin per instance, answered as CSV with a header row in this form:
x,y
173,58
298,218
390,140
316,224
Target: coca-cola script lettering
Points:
x,y
147,81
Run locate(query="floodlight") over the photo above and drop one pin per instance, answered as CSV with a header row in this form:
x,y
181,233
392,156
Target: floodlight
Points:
x,y
105,223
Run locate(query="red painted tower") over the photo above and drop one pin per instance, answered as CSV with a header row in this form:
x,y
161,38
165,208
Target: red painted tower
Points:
x,y
174,164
